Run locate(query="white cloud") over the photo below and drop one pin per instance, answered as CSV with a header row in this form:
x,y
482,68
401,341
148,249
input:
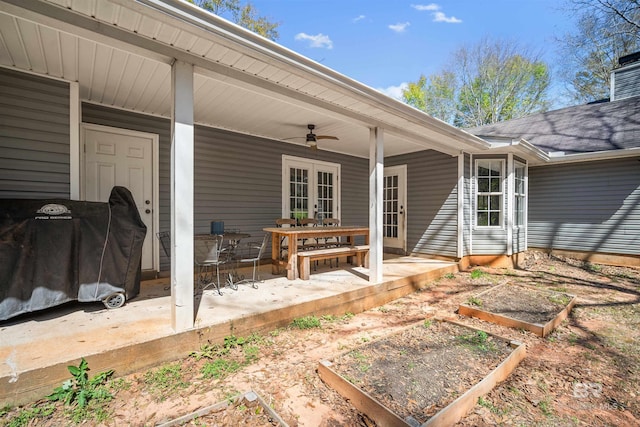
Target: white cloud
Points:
x,y
319,40
435,12
423,7
359,18
394,91
441,17
400,27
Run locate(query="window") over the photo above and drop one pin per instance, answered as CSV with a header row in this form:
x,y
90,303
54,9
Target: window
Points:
x,y
519,194
489,193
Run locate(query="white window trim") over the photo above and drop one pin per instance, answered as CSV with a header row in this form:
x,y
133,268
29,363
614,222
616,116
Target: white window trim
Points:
x,y
502,193
524,195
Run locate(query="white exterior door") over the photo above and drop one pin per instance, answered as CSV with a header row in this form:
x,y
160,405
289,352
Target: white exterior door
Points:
x,y
394,207
124,158
311,189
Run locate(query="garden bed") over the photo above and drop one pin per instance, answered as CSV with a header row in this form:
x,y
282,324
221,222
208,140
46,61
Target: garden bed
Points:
x,y
431,373
536,310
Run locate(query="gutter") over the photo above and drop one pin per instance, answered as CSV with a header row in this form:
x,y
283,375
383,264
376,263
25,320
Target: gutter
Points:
x,y
541,158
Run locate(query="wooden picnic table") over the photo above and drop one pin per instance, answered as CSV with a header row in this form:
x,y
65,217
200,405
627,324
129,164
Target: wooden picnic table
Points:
x,y
293,234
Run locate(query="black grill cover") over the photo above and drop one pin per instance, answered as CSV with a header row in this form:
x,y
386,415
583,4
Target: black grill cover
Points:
x,y
54,251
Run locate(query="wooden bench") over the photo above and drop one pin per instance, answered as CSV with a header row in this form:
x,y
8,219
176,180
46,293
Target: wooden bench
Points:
x,y
361,252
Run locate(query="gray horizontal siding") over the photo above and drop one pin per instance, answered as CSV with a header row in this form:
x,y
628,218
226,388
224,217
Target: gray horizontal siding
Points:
x,y
627,83
591,206
237,177
34,136
432,202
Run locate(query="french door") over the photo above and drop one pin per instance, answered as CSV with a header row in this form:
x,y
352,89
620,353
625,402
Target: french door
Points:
x,y
394,207
310,189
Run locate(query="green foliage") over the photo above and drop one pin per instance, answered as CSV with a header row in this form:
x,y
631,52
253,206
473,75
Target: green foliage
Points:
x,y
80,389
307,322
449,276
165,380
490,406
427,323
244,15
477,274
475,301
220,368
489,82
26,416
479,340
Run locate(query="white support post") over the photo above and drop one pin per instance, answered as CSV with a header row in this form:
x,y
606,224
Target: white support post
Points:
x,y
376,176
510,200
460,251
182,164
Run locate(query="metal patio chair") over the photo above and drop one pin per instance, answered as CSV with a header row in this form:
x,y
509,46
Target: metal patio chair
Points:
x,y
251,252
210,254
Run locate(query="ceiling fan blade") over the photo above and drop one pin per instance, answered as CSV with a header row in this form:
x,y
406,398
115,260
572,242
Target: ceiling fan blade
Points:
x,y
335,138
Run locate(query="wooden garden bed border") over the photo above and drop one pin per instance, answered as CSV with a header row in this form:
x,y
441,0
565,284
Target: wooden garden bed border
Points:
x,y
536,328
447,416
251,397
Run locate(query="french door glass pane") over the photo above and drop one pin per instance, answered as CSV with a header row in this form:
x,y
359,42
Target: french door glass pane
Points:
x,y
390,205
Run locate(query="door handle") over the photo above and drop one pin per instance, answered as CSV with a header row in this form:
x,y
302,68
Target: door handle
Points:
x,y
401,210
147,211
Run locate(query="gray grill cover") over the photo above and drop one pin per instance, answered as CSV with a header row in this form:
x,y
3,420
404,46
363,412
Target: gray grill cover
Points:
x,y
55,251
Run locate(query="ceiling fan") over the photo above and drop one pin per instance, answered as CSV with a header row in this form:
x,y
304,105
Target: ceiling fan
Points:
x,y
312,139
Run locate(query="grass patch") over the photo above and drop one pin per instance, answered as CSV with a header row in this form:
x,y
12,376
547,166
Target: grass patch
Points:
x,y
474,301
220,368
307,322
164,381
477,274
27,416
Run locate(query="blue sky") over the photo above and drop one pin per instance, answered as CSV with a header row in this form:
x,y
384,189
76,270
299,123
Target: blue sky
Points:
x,y
384,44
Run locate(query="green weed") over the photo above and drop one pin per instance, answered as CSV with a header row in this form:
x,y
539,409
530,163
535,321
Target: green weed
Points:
x,y
449,276
220,368
427,323
560,299
474,301
165,380
307,322
477,274
26,416
490,406
479,340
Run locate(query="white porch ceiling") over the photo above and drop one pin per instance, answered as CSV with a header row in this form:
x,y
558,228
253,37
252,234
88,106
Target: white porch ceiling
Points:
x,y
120,52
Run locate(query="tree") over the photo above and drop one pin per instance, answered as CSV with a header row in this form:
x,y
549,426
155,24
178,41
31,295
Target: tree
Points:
x,y
606,30
487,83
244,15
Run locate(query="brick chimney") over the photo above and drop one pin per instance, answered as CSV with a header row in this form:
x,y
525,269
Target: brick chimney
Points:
x,y
625,80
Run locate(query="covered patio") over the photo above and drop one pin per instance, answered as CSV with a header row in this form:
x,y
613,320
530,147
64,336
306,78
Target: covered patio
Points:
x,y
37,348
189,80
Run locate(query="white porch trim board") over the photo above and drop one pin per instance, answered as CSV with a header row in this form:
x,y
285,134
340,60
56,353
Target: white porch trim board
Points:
x,y
75,119
510,200
460,250
182,175
376,182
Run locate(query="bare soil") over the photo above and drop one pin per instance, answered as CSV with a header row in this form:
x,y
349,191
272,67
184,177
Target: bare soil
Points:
x,y
586,373
530,305
417,372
